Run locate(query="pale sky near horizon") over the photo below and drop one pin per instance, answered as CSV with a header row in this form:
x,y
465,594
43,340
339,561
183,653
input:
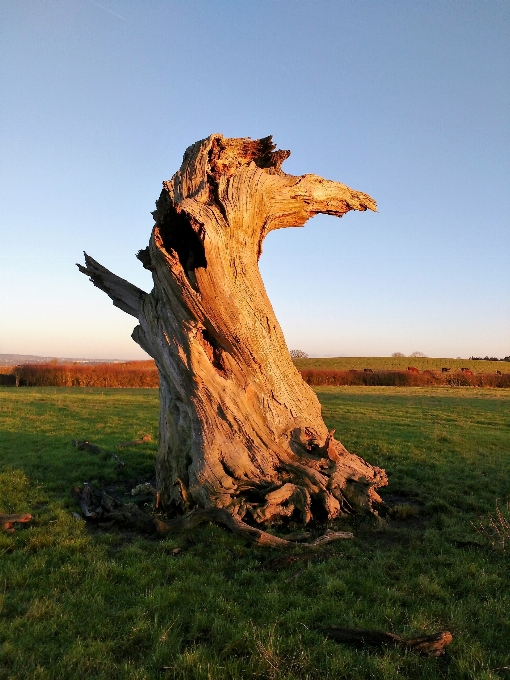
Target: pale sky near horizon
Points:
x,y
408,101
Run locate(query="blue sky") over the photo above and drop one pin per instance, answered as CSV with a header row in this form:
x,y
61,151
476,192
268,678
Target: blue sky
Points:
x,y
407,101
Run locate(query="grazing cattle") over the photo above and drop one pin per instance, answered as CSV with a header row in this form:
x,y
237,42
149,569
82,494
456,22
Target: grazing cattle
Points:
x,y
368,370
413,369
467,371
445,370
498,373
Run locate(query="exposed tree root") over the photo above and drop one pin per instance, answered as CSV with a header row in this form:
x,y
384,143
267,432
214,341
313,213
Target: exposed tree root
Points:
x,y
97,505
7,521
428,645
237,526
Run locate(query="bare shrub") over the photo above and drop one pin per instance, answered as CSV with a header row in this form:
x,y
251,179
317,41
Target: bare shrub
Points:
x,y
298,354
398,354
495,528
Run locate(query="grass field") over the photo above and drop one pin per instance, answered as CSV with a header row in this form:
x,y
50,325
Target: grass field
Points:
x,y
401,363
81,602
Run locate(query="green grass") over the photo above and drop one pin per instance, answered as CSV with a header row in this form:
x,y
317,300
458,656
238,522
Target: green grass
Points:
x,y
78,602
401,363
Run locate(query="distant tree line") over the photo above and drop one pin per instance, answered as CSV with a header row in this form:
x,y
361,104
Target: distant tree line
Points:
x,y
489,358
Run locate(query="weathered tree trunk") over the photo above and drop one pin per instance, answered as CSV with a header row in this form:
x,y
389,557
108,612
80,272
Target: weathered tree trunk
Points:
x,y
239,429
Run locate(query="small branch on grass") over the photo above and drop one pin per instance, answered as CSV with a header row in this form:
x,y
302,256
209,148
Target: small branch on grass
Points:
x,y
428,645
83,445
6,521
97,505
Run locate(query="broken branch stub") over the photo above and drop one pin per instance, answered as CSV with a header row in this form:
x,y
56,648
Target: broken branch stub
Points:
x,y
239,429
7,521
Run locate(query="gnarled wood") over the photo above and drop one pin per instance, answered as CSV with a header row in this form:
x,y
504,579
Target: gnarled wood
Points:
x,y
427,645
239,429
7,521
83,445
98,505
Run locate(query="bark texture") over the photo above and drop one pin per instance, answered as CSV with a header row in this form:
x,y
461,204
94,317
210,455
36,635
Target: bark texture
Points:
x,y
239,428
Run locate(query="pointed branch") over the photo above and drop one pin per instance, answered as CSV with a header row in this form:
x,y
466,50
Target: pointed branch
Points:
x,y
123,294
334,198
296,199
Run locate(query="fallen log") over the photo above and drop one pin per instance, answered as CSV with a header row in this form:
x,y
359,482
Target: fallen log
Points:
x,y
6,521
428,645
98,505
84,445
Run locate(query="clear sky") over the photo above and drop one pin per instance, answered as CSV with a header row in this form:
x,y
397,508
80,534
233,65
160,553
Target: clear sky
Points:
x,y
408,101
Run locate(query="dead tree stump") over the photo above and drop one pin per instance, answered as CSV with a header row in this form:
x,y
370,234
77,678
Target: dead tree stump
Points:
x,y
239,429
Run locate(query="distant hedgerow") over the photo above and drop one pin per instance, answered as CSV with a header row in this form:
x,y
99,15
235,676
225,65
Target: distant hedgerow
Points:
x,y
145,374
129,374
409,378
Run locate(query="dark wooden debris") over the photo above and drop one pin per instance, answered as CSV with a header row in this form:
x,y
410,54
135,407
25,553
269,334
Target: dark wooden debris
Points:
x,y
7,521
428,645
99,506
84,445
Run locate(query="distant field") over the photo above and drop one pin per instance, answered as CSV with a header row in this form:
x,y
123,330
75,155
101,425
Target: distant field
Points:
x,y
83,602
401,363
